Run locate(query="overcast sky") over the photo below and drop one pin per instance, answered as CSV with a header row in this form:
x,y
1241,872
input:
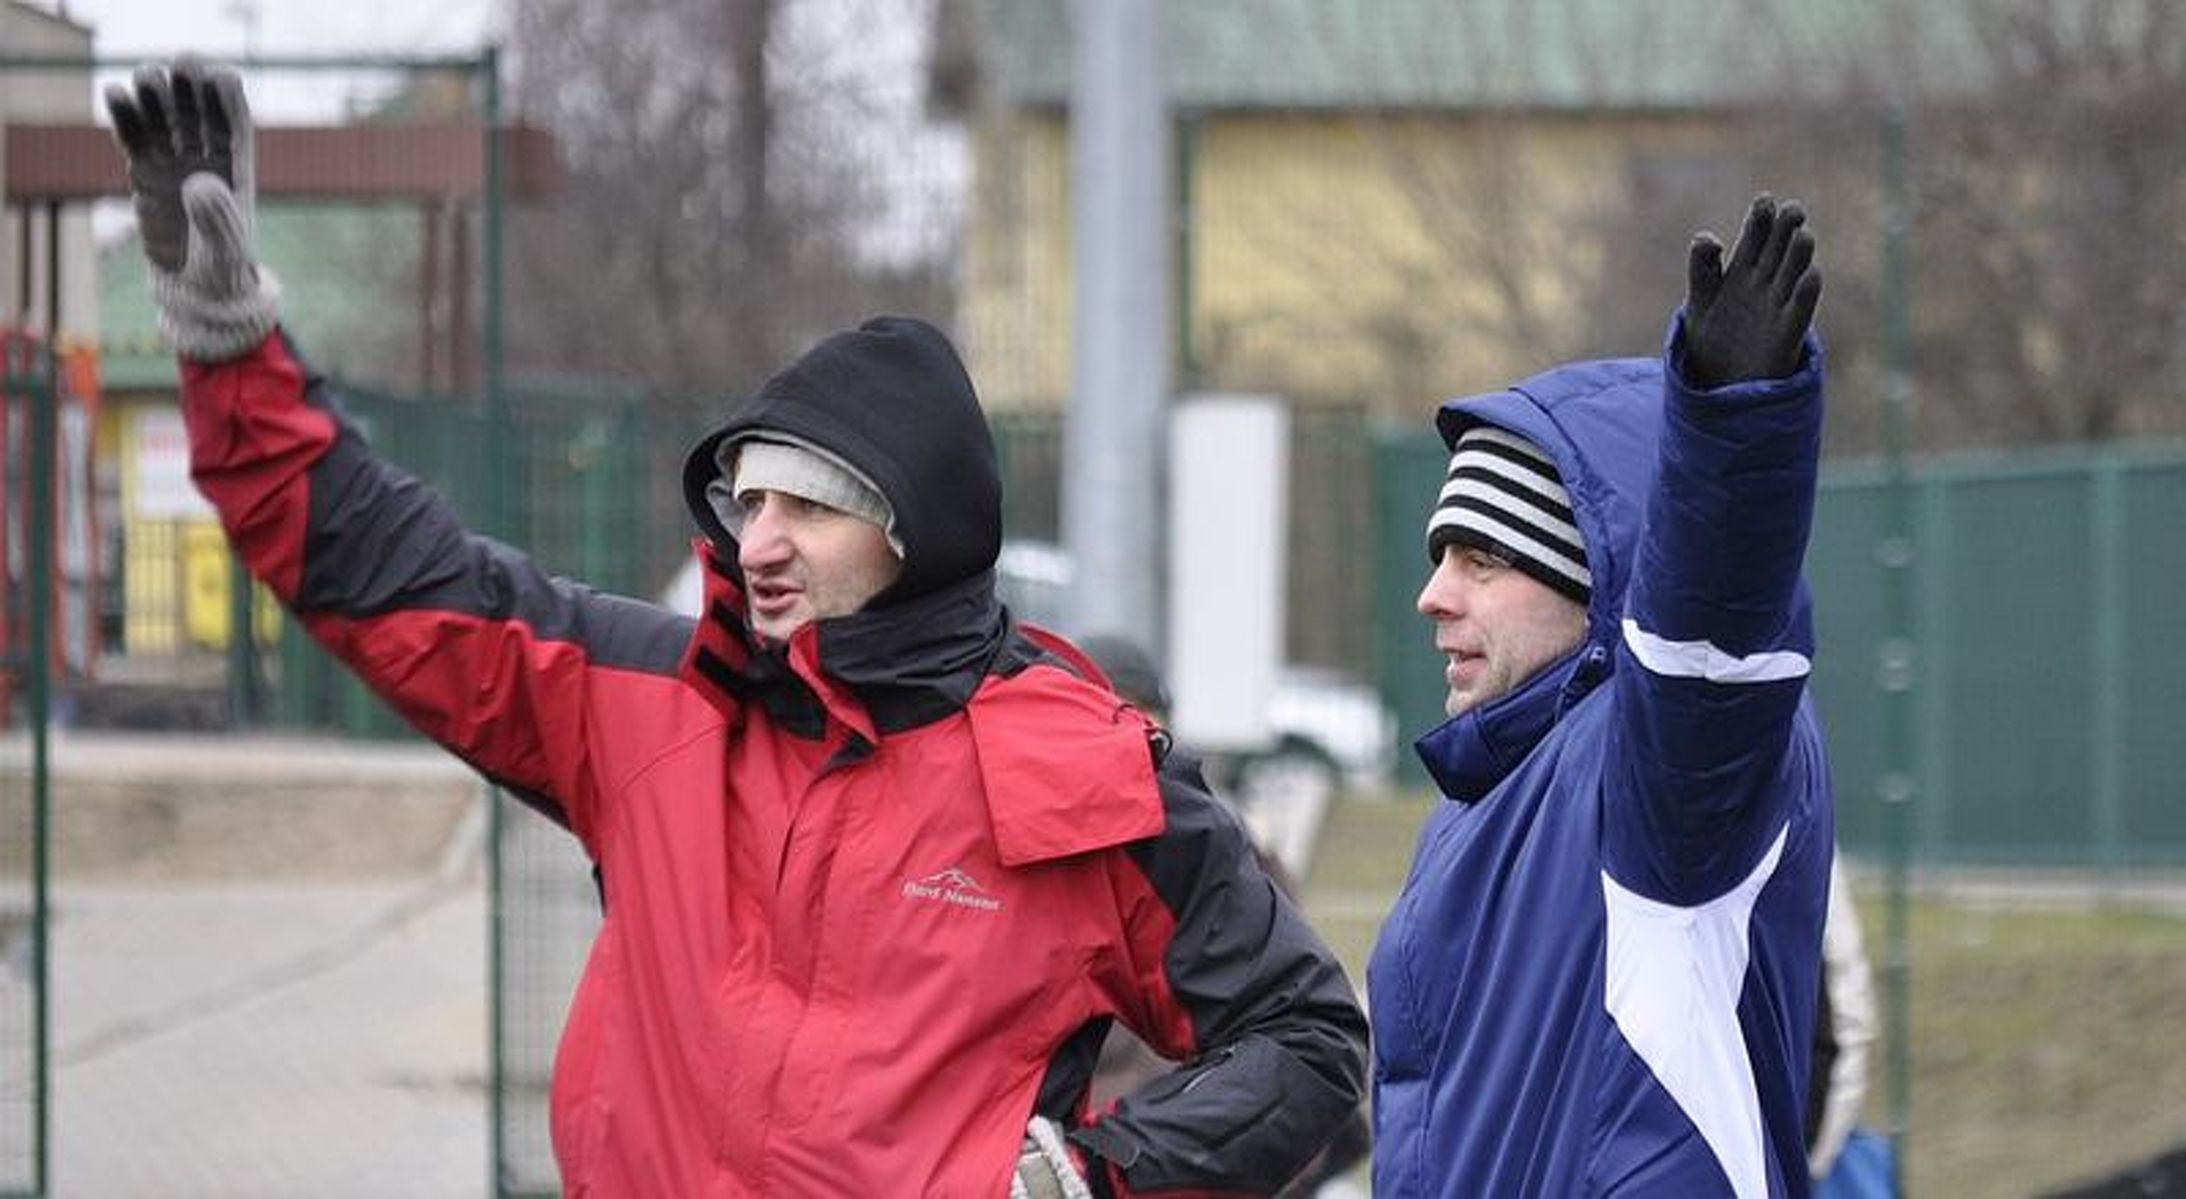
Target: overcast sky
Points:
x,y
132,30
134,27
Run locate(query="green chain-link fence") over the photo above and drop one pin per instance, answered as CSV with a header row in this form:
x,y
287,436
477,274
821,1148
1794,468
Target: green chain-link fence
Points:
x,y
2048,673
580,472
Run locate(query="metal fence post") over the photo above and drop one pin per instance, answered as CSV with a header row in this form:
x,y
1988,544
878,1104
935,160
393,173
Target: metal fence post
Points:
x,y
500,505
1898,669
2106,715
36,373
245,689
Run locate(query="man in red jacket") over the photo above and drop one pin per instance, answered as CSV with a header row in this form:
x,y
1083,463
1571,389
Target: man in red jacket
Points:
x,y
880,866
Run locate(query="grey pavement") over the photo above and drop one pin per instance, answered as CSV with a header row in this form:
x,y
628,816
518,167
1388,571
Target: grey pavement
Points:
x,y
285,1021
236,1020
236,1040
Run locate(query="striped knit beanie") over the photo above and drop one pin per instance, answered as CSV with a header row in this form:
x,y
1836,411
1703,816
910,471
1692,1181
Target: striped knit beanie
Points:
x,y
1503,495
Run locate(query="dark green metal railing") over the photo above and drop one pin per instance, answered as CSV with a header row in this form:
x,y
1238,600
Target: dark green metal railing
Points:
x,y
30,378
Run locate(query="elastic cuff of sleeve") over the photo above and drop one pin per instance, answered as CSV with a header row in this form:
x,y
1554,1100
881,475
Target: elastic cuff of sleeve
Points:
x,y
206,327
1102,1179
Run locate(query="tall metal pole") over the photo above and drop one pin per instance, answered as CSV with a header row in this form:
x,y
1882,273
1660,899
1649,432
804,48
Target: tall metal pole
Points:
x,y
1114,462
44,368
1897,669
497,401
44,373
489,69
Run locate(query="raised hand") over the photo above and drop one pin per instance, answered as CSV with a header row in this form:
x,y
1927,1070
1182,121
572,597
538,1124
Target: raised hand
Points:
x,y
1746,320
185,132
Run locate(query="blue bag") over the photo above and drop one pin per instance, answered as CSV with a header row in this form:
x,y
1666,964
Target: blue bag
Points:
x,y
1867,1169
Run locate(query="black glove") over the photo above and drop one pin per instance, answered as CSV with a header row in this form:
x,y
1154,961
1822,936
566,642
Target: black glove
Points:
x,y
1747,321
186,134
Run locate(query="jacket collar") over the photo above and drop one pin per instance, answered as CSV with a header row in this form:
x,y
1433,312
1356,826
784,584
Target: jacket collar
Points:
x,y
1471,753
879,671
911,663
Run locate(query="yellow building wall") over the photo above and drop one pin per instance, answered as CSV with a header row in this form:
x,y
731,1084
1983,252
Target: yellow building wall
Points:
x,y
177,570
1385,261
1016,298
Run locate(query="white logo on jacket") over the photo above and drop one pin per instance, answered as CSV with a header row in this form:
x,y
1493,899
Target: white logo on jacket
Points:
x,y
952,886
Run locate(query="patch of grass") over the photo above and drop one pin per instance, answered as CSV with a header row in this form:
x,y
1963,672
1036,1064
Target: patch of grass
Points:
x,y
1364,850
2048,1042
2048,1046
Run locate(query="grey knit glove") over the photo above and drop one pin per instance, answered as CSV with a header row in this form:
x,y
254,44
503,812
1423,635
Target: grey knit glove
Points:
x,y
186,134
1045,1168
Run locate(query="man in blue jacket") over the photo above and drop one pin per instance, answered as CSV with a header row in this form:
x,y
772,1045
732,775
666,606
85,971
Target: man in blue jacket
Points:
x,y
1601,976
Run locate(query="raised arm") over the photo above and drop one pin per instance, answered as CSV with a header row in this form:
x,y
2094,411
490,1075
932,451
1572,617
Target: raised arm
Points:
x,y
467,639
1718,635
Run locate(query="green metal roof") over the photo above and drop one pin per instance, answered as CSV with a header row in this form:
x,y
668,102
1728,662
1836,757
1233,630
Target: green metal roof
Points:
x,y
1464,54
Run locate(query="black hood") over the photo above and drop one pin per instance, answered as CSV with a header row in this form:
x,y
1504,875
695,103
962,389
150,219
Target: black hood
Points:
x,y
891,398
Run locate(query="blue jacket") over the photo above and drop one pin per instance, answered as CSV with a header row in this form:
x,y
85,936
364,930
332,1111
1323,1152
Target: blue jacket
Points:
x,y
1601,976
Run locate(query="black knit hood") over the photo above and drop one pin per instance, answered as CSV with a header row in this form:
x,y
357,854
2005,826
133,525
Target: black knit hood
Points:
x,y
892,399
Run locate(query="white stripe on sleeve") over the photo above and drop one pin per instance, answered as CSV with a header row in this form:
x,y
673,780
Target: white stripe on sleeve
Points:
x,y
1702,660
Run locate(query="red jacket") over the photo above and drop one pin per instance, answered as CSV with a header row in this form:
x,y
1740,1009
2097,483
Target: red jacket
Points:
x,y
869,904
